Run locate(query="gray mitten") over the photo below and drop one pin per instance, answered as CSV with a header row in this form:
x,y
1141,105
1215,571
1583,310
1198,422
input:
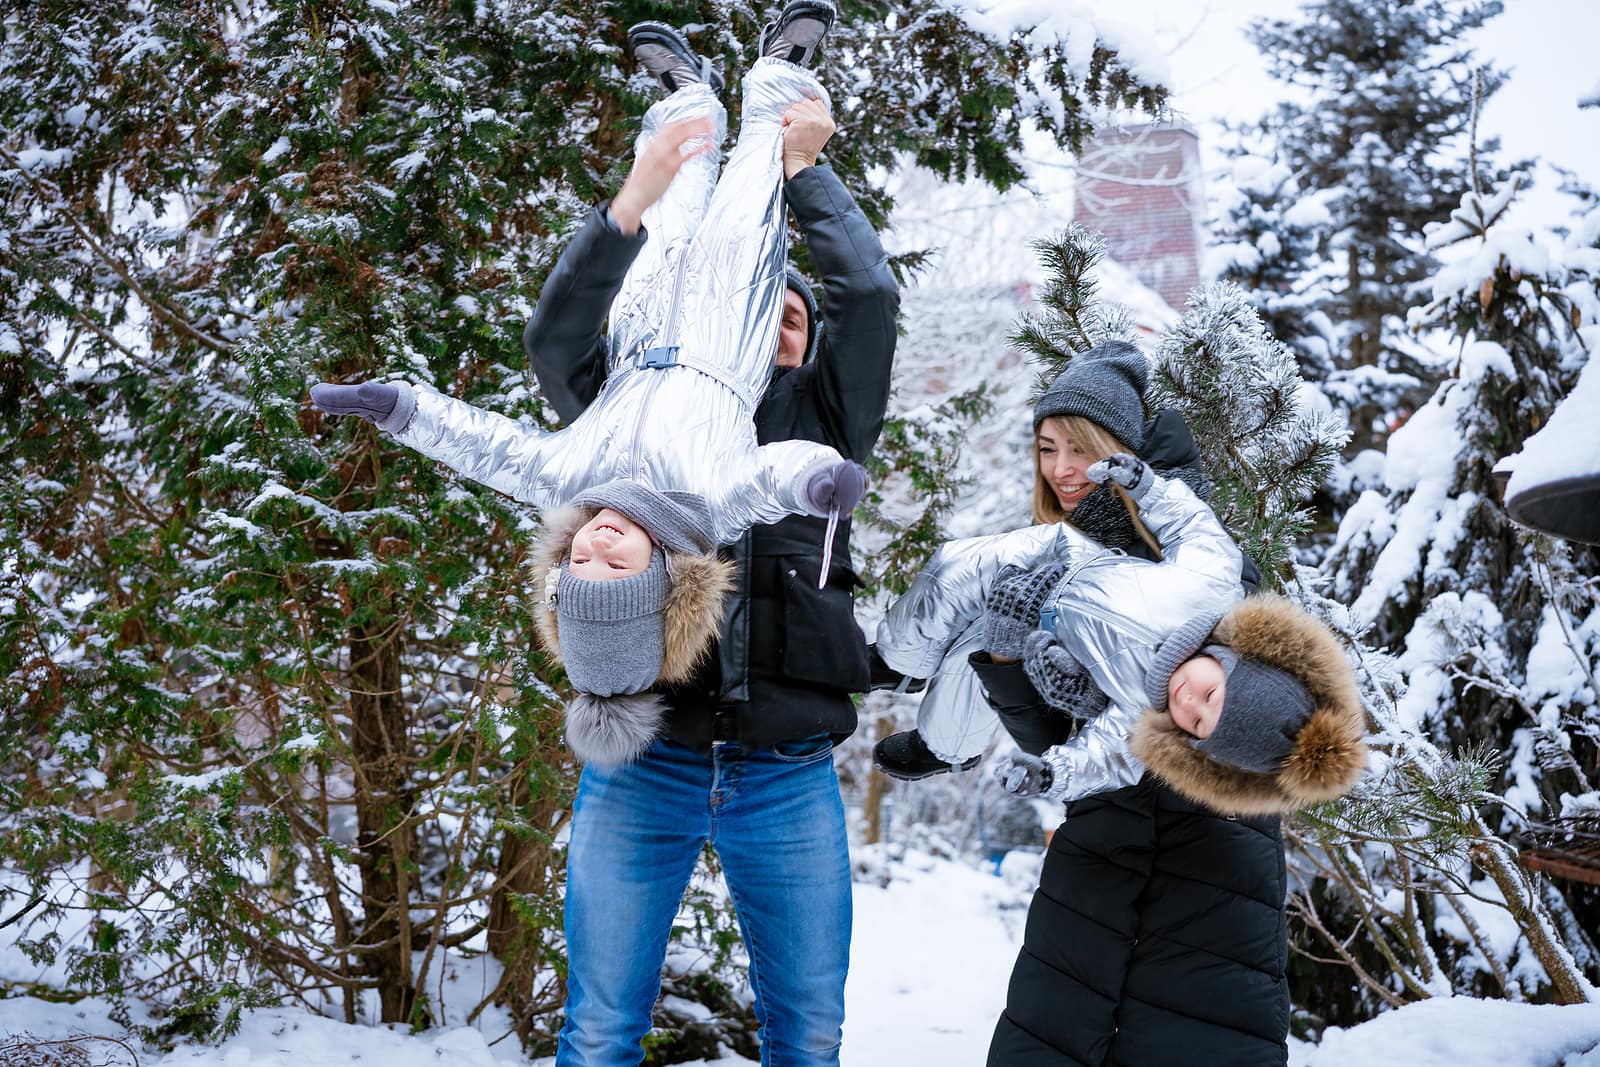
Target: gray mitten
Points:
x,y
1060,679
1027,775
841,485
1012,606
1130,472
377,402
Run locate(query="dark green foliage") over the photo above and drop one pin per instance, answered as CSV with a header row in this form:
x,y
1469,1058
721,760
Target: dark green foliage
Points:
x,y
1072,319
916,459
270,696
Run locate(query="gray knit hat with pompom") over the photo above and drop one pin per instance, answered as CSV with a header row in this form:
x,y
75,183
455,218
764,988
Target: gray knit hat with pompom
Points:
x,y
612,630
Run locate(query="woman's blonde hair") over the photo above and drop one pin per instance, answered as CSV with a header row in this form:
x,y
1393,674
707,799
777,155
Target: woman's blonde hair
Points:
x,y
1092,440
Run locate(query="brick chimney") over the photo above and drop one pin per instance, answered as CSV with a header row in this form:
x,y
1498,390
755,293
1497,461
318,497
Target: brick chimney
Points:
x,y
1141,187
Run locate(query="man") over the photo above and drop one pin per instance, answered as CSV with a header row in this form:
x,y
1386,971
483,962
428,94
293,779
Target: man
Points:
x,y
745,758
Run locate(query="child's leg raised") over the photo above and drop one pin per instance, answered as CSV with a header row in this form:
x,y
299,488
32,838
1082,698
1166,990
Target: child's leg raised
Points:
x,y
733,275
641,306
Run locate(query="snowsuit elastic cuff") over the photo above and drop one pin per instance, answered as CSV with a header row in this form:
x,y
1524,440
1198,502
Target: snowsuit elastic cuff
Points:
x,y
405,406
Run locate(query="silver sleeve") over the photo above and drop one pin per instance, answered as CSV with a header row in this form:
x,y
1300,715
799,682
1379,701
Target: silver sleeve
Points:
x,y
503,454
948,595
1098,759
774,488
1191,535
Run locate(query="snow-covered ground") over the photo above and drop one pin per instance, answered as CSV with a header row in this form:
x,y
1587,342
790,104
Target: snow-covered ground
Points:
x,y
934,942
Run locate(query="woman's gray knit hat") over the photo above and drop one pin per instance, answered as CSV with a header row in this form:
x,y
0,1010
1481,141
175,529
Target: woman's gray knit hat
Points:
x,y
1263,707
1105,385
611,630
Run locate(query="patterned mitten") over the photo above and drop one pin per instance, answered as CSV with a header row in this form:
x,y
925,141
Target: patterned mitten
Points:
x,y
1130,472
1026,775
1013,604
1060,679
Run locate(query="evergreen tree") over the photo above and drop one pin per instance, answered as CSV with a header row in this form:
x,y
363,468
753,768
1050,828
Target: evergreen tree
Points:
x,y
1495,630
272,714
1382,95
1265,440
1268,242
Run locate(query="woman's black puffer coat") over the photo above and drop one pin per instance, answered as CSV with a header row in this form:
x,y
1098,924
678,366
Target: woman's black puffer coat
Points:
x,y
1156,938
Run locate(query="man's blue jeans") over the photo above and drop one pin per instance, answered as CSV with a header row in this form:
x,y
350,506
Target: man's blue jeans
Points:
x,y
777,823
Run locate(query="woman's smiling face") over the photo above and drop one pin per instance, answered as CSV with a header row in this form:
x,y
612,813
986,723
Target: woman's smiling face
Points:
x,y
1062,464
610,545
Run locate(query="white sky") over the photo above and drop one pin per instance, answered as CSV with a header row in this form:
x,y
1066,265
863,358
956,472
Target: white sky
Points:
x,y
1547,44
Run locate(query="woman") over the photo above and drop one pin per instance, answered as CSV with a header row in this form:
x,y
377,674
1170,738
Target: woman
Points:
x,y
1157,934
1093,409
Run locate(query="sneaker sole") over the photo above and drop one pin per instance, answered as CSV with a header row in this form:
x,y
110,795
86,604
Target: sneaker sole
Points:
x,y
902,776
819,10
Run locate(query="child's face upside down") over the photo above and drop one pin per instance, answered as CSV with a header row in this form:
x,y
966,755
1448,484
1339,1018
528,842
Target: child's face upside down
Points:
x,y
1194,695
610,545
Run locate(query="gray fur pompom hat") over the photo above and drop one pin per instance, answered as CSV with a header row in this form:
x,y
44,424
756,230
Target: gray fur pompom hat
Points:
x,y
612,630
618,638
1105,385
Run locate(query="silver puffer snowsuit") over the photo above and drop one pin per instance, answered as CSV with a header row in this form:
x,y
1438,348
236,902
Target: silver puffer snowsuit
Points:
x,y
692,338
1112,611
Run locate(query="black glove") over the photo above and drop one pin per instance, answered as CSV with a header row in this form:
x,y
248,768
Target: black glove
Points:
x,y
1130,472
841,485
1060,679
373,401
1013,603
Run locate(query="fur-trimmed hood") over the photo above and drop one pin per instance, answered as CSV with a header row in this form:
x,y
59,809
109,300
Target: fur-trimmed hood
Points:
x,y
1330,753
691,620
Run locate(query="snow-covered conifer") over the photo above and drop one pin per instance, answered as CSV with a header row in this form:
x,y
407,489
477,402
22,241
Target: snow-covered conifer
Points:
x,y
279,727
1494,630
1368,136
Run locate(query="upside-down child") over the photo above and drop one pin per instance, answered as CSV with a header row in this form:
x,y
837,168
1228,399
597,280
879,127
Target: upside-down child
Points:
x,y
664,466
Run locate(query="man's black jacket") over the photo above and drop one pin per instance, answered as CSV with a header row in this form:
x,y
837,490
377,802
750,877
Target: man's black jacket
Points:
x,y
790,653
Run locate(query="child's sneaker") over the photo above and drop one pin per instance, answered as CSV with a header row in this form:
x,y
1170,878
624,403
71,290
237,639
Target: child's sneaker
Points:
x,y
662,50
797,31
907,757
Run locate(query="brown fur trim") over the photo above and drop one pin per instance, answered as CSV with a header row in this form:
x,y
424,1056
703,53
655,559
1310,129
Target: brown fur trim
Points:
x,y
692,618
1330,753
554,542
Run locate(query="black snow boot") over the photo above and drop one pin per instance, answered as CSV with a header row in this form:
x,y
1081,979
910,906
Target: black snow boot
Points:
x,y
662,50
797,31
905,756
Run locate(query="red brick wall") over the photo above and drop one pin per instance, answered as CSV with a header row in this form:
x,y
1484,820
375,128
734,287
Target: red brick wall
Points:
x,y
1142,188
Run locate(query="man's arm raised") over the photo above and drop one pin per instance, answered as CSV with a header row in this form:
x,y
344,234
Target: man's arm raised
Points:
x,y
565,338
860,297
